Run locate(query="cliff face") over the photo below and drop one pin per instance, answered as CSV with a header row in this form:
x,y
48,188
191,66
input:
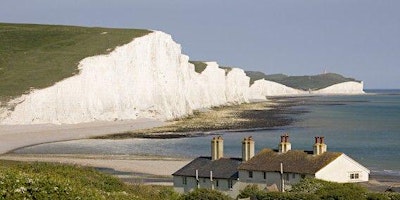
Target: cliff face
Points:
x,y
148,77
262,88
349,87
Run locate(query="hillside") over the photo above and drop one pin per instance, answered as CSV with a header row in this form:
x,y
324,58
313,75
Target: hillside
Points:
x,y
314,82
37,56
26,180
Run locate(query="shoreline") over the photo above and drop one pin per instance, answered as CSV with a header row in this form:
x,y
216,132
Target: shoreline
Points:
x,y
13,137
280,109
271,114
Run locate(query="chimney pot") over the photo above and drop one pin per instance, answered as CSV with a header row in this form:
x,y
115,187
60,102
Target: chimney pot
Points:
x,y
316,140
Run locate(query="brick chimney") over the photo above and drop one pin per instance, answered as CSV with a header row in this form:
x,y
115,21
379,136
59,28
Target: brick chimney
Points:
x,y
319,146
217,148
284,145
247,148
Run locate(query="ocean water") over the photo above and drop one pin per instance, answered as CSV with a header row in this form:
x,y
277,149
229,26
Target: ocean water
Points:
x,y
365,127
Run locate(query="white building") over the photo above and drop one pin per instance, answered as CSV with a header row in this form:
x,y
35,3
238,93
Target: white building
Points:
x,y
270,169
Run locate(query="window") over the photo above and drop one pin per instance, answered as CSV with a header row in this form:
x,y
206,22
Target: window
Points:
x,y
204,180
293,176
354,176
217,183
250,174
184,180
230,184
265,175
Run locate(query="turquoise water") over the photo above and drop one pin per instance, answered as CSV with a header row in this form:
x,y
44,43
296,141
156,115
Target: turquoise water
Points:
x,y
365,127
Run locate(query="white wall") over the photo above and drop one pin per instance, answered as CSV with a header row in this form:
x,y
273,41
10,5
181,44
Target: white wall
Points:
x,y
340,169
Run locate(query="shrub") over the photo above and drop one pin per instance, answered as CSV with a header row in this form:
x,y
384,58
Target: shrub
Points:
x,y
19,180
377,196
254,192
205,194
251,191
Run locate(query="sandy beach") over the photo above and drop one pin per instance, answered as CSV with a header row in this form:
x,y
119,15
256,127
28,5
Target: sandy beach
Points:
x,y
17,136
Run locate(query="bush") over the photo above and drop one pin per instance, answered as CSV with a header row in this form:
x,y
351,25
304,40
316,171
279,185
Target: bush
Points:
x,y
251,191
205,194
393,195
377,196
19,180
254,192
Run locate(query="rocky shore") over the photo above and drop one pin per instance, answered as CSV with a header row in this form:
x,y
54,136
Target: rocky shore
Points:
x,y
250,116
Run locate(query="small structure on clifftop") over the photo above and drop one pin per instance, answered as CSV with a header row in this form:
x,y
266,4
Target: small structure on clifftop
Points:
x,y
270,169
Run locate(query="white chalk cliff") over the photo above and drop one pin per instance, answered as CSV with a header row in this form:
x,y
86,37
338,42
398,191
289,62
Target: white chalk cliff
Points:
x,y
261,88
350,87
146,78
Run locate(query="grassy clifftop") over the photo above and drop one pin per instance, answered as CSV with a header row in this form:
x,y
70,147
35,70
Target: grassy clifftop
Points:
x,y
199,66
314,82
37,56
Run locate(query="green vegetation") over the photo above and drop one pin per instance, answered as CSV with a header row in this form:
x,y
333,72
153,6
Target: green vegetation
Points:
x,y
20,180
315,82
37,56
310,188
199,66
227,69
205,194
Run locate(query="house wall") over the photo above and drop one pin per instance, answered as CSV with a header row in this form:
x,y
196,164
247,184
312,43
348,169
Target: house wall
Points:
x,y
341,169
270,179
191,184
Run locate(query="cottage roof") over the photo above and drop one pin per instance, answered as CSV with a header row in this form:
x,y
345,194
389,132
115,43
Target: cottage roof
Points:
x,y
294,161
223,168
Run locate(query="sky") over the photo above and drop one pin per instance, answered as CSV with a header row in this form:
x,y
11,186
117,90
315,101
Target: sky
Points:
x,y
355,38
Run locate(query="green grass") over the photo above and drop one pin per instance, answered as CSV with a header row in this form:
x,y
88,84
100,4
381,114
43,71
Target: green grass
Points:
x,y
37,56
311,189
199,66
23,180
314,82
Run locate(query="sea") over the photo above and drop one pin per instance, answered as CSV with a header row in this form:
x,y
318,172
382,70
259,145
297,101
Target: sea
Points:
x,y
364,127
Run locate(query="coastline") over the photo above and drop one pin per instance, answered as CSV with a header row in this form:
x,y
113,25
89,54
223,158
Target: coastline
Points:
x,y
137,168
13,137
269,114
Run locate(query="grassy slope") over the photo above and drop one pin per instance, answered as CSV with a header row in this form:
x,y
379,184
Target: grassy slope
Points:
x,y
302,82
37,56
19,180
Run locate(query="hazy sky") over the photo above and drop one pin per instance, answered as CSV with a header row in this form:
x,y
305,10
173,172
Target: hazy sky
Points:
x,y
356,38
